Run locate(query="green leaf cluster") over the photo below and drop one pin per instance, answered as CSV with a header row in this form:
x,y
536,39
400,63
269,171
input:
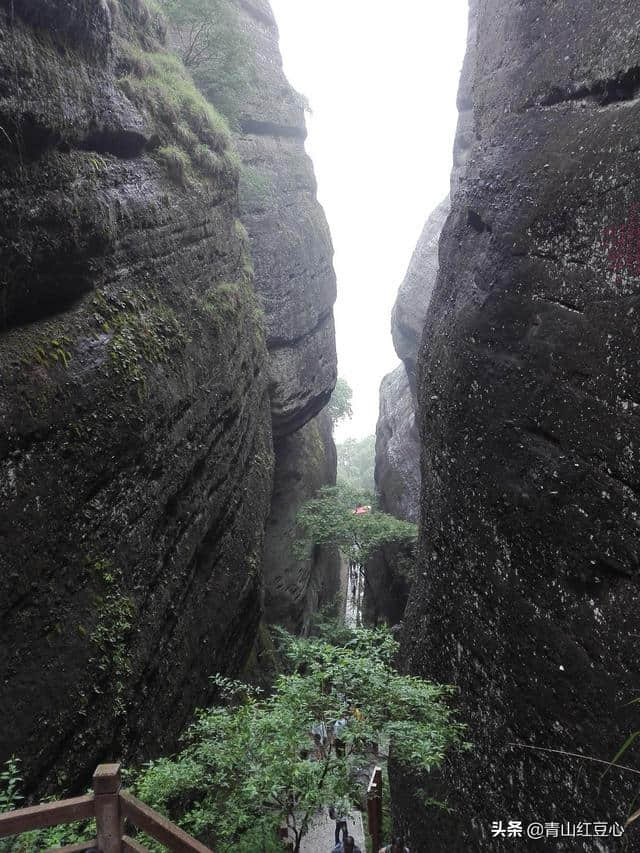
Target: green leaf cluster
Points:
x,y
339,406
250,765
329,519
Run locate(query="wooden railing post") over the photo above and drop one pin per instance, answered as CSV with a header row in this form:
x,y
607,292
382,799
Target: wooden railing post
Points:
x,y
374,808
106,789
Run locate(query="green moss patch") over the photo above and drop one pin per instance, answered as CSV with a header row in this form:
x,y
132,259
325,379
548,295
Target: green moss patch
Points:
x,y
192,139
143,332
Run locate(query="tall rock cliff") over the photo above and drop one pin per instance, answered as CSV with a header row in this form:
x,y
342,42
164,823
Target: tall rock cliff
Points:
x,y
397,479
290,239
528,591
410,309
292,251
397,447
135,413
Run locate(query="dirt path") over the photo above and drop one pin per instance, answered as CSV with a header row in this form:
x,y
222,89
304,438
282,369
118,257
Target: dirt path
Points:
x,y
321,835
352,603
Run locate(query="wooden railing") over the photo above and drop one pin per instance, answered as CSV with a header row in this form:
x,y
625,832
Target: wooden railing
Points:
x,y
110,806
374,808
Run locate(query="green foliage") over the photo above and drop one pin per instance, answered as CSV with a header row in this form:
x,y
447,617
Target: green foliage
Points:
x,y
329,519
328,625
27,842
159,85
225,301
50,352
356,462
207,37
193,137
112,652
249,765
339,406
10,785
143,332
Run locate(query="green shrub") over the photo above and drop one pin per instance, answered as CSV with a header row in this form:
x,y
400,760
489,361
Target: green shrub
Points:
x,y
40,839
159,85
249,764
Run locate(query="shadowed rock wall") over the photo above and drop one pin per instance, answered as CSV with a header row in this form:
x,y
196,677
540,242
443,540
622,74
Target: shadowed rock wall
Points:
x,y
528,590
135,433
397,472
294,588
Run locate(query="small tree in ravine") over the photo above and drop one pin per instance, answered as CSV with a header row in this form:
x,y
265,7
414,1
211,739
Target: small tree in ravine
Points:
x,y
339,406
330,519
252,766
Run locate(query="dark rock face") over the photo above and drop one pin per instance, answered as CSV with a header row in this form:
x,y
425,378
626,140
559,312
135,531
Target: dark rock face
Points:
x,y
290,240
389,575
135,434
397,477
397,472
294,589
529,601
414,295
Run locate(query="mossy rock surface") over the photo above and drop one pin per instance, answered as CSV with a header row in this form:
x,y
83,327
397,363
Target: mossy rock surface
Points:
x,y
135,436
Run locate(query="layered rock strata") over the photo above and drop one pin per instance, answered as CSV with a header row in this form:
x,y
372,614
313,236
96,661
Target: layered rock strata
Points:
x,y
135,431
290,239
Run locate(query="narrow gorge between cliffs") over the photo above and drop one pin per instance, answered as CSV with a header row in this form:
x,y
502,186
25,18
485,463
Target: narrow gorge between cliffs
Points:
x,y
319,426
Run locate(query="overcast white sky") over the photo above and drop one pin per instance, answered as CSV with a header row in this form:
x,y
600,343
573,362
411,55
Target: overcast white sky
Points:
x,y
381,78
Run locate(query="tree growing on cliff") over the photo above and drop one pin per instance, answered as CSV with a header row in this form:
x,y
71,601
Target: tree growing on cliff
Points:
x,y
339,406
330,519
250,766
207,37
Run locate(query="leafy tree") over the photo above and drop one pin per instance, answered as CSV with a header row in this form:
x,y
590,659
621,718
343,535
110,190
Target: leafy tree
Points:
x,y
251,766
339,406
356,462
329,519
207,37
